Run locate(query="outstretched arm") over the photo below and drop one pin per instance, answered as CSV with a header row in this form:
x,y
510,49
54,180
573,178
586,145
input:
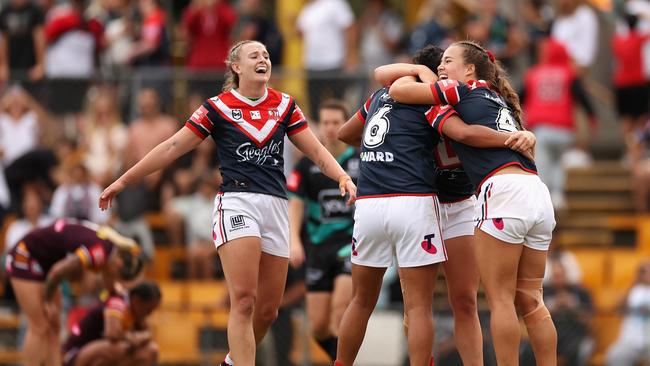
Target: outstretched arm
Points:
x,y
159,157
351,131
408,90
306,142
388,74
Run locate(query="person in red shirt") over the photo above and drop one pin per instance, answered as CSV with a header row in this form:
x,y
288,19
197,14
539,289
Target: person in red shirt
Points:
x,y
152,48
207,26
551,90
630,82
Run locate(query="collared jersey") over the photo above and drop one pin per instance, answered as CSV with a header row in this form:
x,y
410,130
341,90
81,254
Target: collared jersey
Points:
x,y
397,148
249,136
475,103
328,219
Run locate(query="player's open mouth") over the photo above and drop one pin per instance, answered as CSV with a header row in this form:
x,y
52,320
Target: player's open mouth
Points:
x,y
261,69
442,77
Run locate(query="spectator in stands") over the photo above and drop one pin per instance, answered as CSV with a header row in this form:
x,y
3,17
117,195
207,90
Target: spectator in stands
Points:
x,y
22,47
151,128
77,195
633,339
491,28
551,90
153,44
559,256
195,211
32,216
640,158
537,23
115,332
382,32
576,27
571,309
103,135
207,27
329,48
21,121
73,44
118,32
19,124
434,27
256,25
630,81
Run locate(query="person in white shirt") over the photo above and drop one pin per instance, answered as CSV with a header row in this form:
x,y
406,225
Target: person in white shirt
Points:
x,y
329,47
576,27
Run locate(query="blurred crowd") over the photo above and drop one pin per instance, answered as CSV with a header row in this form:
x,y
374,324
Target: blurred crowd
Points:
x,y
69,124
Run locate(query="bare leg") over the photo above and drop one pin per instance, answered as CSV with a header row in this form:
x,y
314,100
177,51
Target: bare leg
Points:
x,y
543,336
418,304
498,270
271,282
341,298
461,273
40,334
241,264
366,284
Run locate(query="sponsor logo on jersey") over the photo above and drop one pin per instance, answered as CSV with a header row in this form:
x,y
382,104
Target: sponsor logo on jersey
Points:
x,y
428,245
237,114
495,99
498,223
247,152
274,114
256,115
237,222
97,254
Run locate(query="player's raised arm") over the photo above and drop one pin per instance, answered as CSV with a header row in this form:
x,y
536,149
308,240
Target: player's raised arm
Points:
x,y
387,74
159,157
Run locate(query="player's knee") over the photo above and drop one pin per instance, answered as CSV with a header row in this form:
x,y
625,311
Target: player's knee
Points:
x,y
464,304
529,301
243,303
267,314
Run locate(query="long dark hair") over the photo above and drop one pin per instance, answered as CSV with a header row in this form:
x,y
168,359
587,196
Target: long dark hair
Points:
x,y
490,70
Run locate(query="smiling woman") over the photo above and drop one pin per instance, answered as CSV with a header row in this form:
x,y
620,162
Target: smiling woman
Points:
x,y
248,122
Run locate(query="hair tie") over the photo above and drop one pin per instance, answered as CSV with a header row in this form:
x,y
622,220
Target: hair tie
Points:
x,y
490,55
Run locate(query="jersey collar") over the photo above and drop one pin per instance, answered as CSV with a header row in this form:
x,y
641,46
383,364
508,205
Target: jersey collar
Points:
x,y
251,103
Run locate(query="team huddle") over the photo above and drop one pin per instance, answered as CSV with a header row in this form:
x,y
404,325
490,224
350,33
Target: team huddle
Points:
x,y
442,174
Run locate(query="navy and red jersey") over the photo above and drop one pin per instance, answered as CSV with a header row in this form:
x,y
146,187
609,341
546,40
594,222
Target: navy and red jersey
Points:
x,y
476,103
249,135
328,219
396,148
40,249
452,181
91,326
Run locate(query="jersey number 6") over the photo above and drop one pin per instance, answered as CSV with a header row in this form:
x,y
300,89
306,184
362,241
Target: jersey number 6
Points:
x,y
377,128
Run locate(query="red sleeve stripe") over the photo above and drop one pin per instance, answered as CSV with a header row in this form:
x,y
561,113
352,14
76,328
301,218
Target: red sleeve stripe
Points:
x,y
361,116
435,89
452,96
444,118
298,128
430,115
195,129
296,116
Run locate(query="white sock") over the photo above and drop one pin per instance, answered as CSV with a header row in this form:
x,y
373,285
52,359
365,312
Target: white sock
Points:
x,y
229,360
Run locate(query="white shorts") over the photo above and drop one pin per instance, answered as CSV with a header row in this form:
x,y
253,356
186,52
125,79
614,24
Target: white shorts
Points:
x,y
406,227
457,218
240,214
516,208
